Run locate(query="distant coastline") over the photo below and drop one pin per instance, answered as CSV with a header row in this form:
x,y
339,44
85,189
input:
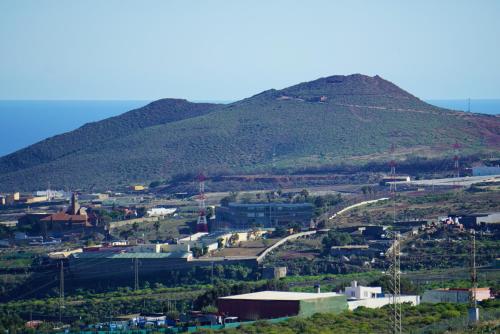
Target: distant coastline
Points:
x,y
25,122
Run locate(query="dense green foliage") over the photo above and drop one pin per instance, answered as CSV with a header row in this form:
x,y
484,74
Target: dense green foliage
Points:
x,y
433,318
357,116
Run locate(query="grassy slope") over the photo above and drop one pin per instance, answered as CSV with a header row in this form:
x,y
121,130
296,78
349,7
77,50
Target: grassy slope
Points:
x,y
359,118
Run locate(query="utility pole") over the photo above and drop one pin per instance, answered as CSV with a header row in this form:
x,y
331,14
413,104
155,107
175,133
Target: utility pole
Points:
x,y
473,309
395,285
201,224
61,290
136,274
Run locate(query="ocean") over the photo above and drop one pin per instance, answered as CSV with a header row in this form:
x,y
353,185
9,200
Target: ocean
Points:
x,y
23,123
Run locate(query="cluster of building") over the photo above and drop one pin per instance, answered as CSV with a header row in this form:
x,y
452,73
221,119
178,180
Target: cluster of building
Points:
x,y
110,259
279,304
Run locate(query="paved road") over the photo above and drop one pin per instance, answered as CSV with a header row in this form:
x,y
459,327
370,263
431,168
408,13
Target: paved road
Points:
x,y
461,181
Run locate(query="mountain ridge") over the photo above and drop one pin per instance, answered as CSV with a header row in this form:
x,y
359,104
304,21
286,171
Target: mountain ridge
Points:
x,y
323,121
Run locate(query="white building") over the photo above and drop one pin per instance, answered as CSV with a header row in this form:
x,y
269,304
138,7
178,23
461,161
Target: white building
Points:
x,y
372,297
356,291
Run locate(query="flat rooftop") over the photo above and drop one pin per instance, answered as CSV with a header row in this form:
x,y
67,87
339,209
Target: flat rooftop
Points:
x,y
282,295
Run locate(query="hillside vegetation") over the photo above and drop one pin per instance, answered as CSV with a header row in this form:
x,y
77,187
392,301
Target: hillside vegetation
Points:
x,y
331,120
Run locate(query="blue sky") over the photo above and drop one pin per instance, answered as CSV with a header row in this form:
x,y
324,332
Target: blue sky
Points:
x,y
227,50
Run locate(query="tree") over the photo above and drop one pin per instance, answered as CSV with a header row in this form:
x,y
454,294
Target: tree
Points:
x,y
234,238
334,238
157,226
135,227
319,201
304,193
154,184
125,234
280,231
220,243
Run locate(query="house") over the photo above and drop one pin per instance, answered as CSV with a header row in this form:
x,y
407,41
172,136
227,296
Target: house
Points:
x,y
372,297
356,291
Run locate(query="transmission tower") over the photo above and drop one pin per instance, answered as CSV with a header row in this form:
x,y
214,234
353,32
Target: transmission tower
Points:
x,y
61,290
473,310
136,274
201,224
394,273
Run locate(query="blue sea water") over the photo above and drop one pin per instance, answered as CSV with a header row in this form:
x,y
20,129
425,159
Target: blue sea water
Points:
x,y
483,106
23,123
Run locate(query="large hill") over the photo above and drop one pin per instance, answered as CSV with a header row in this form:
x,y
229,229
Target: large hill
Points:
x,y
331,120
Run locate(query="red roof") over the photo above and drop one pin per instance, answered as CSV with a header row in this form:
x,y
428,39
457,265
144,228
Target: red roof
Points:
x,y
64,217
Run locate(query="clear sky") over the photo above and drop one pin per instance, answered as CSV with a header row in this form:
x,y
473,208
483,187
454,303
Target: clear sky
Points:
x,y
227,50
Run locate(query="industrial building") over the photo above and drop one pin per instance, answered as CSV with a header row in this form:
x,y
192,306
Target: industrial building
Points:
x,y
454,295
240,216
277,304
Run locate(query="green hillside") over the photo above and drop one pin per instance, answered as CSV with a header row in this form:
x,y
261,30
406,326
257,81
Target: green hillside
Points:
x,y
326,121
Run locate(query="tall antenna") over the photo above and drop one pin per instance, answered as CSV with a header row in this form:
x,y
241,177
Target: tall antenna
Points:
x,y
394,272
201,224
61,290
473,310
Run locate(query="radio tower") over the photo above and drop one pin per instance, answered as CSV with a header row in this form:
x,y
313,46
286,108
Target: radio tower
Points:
x,y
395,286
202,225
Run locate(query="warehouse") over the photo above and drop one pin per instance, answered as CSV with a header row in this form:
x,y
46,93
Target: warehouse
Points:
x,y
277,304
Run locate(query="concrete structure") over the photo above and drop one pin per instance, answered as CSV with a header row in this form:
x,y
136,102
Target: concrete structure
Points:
x,y
485,171
454,295
239,216
397,179
356,291
382,301
160,212
273,272
276,304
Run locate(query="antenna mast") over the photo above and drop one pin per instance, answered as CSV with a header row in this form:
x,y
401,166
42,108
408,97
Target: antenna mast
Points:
x,y
201,224
395,285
